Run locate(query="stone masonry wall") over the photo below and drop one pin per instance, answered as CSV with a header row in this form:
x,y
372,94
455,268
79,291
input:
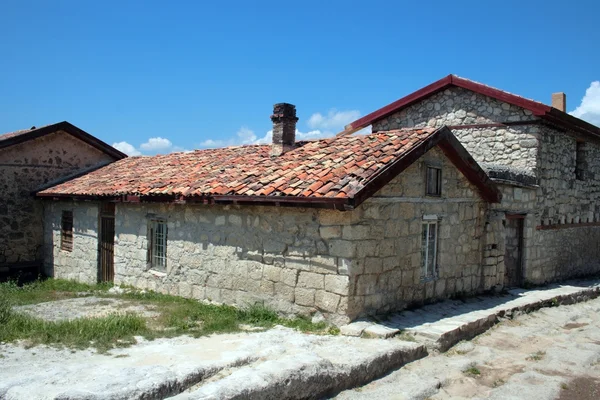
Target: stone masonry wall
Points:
x,y
239,255
23,169
515,146
567,206
386,268
81,264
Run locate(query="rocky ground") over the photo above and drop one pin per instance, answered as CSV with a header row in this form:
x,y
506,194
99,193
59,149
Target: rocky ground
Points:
x,y
553,353
85,307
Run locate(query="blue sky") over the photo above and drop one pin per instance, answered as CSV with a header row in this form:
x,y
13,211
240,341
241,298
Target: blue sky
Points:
x,y
162,76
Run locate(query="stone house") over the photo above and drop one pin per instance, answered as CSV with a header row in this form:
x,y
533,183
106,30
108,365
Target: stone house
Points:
x,y
344,226
545,162
29,160
461,188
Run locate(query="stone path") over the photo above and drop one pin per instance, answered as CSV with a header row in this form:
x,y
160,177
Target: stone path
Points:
x,y
444,324
279,363
550,354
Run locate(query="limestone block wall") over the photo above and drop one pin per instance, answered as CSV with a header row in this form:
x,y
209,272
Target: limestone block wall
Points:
x,y
280,257
24,168
508,145
387,238
80,264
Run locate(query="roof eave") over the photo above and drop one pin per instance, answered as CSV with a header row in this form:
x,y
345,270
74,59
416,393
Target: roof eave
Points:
x,y
70,129
337,203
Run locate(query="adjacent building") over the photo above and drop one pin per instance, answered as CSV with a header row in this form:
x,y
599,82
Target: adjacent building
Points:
x,y
30,160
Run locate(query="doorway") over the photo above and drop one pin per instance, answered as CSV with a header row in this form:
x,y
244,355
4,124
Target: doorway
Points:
x,y
513,257
107,243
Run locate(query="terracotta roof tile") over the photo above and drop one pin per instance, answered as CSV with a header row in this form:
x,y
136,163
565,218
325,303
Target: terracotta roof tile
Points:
x,y
333,168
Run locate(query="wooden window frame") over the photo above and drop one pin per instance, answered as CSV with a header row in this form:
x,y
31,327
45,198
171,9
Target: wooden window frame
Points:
x,y
66,230
437,191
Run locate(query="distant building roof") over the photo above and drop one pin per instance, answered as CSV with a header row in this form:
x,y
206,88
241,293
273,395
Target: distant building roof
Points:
x,y
24,135
546,112
337,173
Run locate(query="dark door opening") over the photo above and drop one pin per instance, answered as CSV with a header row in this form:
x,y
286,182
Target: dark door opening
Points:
x,y
107,242
513,257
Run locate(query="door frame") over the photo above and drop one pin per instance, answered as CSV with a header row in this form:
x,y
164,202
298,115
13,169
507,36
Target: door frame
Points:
x,y
520,270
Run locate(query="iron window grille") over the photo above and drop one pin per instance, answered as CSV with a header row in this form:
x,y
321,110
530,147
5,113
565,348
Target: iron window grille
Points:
x,y
157,245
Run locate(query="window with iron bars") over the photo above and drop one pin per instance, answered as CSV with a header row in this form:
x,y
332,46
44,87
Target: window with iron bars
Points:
x,y
157,245
429,244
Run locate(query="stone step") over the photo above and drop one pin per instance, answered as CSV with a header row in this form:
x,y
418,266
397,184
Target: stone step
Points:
x,y
313,374
441,331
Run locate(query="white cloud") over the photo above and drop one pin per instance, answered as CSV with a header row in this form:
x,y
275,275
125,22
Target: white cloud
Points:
x,y
334,120
589,109
243,136
157,144
322,127
126,148
152,146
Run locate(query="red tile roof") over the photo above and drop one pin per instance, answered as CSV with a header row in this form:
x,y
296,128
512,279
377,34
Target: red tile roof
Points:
x,y
550,114
328,170
24,135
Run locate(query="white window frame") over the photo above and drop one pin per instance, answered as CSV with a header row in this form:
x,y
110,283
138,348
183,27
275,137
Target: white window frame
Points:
x,y
157,244
429,222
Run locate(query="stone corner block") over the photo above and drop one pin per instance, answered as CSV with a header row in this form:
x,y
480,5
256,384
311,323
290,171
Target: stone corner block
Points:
x,y
355,328
380,331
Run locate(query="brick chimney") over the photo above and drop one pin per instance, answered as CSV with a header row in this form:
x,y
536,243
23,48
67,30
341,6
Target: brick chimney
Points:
x,y
284,128
559,101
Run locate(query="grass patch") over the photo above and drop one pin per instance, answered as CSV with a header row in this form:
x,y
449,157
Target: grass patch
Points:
x,y
537,356
176,316
472,370
405,336
102,333
46,290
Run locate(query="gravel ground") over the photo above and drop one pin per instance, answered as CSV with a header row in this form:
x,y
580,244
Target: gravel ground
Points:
x,y
553,353
85,307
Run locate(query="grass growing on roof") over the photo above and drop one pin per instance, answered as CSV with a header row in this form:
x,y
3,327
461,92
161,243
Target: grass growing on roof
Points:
x,y
176,316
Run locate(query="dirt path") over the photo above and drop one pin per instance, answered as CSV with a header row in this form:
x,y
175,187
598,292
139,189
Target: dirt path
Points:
x,y
553,353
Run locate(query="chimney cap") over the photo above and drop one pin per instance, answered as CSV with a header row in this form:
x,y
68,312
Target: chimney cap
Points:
x,y
283,111
559,101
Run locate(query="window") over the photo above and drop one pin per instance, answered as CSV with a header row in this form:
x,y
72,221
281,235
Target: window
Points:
x,y
157,244
434,181
429,246
580,163
66,231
